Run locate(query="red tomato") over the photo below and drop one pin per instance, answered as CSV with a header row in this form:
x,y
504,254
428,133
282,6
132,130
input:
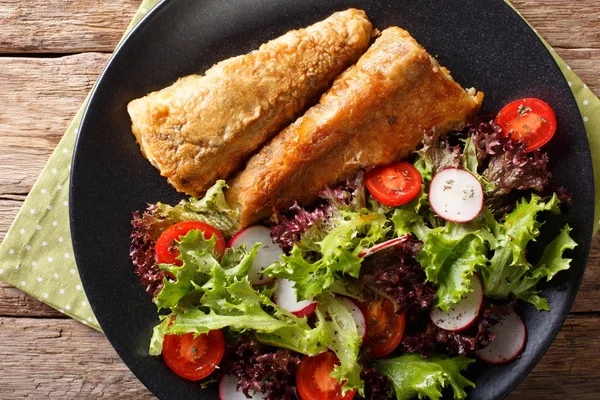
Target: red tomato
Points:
x,y
395,184
166,249
385,328
530,120
314,380
194,358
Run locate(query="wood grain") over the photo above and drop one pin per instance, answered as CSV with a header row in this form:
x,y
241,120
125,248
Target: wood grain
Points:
x,y
571,367
58,26
50,358
39,98
572,24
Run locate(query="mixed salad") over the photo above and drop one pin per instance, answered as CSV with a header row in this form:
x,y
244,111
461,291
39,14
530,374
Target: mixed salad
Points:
x,y
389,287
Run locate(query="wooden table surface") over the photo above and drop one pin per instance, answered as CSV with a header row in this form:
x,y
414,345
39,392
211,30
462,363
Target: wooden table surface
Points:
x,y
51,52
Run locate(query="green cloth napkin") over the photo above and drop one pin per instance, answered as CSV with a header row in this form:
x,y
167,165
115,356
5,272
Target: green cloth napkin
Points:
x,y
37,255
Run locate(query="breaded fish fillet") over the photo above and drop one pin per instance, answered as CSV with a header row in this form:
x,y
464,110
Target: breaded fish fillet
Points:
x,y
376,112
202,128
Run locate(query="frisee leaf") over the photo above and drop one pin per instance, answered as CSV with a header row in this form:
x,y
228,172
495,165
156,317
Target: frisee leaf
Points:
x,y
344,341
412,375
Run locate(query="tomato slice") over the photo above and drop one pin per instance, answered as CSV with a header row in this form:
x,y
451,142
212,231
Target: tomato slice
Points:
x,y
385,328
166,249
530,120
314,381
194,358
395,184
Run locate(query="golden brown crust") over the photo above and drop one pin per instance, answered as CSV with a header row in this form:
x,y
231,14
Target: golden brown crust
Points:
x,y
202,128
376,112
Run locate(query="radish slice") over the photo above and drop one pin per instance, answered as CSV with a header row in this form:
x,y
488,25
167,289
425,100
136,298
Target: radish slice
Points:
x,y
381,246
267,253
456,195
228,390
462,314
285,297
357,315
508,343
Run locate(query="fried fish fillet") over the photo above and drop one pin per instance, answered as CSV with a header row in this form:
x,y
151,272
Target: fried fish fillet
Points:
x,y
376,112
202,128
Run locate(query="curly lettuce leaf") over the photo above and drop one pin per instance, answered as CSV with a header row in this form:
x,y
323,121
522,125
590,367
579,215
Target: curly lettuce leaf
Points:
x,y
450,256
339,254
412,375
207,295
509,271
199,258
344,341
212,209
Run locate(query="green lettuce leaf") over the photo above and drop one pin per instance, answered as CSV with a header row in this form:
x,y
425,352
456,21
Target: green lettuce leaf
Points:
x,y
339,250
207,295
198,257
212,209
344,341
509,271
449,256
412,375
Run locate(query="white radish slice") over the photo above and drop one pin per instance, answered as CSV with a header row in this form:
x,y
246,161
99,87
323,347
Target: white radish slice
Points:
x,y
456,195
228,390
267,253
508,343
357,315
381,246
285,297
462,314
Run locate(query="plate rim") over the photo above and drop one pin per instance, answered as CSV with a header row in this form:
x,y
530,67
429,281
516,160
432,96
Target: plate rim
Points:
x,y
153,12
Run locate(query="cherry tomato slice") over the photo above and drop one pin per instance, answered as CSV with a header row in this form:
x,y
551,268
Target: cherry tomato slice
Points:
x,y
194,358
314,381
166,249
395,184
385,328
530,120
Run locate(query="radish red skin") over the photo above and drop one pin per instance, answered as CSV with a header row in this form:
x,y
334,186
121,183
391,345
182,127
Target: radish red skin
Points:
x,y
518,329
454,177
306,311
286,298
462,327
382,246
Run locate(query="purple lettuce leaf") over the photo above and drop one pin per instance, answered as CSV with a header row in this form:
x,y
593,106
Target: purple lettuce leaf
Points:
x,y
377,386
147,227
508,169
424,337
314,221
264,369
394,273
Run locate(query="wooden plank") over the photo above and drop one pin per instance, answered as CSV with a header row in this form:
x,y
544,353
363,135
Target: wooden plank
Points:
x,y
15,303
585,62
9,206
58,26
44,362
573,24
39,98
588,298
571,367
61,358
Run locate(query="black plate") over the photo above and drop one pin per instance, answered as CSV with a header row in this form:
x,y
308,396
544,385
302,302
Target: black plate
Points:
x,y
484,43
